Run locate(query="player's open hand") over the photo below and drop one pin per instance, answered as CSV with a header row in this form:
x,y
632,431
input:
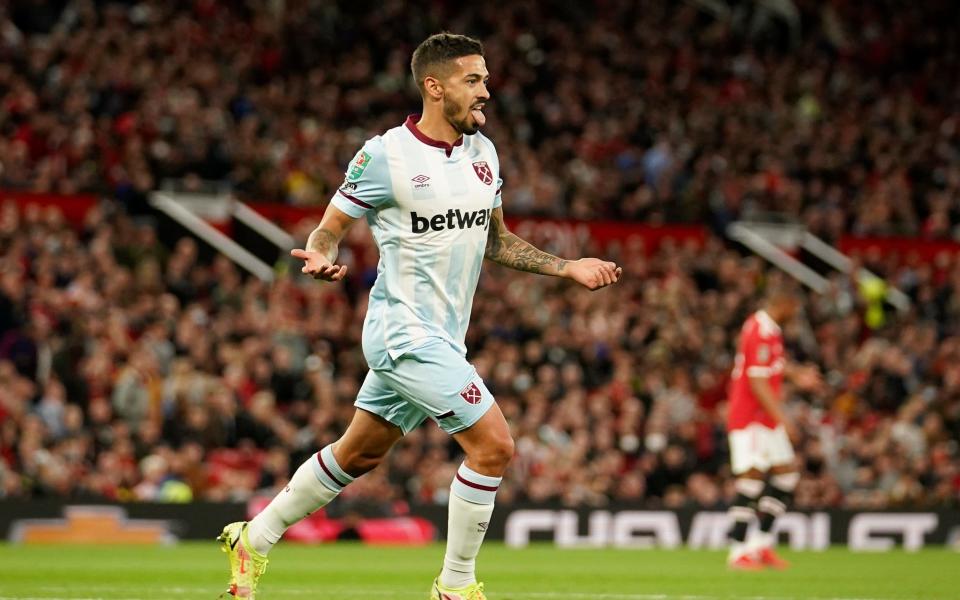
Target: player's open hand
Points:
x,y
319,266
808,378
594,273
792,432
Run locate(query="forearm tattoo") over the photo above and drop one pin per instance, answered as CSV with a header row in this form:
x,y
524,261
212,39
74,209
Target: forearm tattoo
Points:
x,y
509,250
324,242
523,256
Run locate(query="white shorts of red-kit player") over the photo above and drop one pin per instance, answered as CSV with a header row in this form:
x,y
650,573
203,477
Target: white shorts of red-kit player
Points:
x,y
757,446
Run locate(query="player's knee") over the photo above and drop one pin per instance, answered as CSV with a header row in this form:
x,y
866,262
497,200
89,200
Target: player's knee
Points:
x,y
506,450
495,455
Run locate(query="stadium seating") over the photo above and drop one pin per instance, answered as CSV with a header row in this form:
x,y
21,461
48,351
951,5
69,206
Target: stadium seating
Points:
x,y
126,364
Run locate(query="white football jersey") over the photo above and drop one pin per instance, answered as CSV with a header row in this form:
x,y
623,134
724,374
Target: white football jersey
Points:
x,y
428,205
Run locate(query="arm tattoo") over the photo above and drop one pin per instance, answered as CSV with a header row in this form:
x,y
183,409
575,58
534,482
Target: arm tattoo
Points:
x,y
323,241
523,256
507,249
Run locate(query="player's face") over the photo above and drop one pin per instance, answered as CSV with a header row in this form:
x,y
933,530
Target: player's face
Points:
x,y
789,307
465,93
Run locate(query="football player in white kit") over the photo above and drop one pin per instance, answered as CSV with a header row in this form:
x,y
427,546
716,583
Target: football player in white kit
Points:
x,y
430,191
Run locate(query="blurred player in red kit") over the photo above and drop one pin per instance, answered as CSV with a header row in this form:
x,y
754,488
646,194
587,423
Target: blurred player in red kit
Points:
x,y
760,432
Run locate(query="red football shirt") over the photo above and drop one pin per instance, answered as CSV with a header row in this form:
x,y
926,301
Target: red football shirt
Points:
x,y
760,354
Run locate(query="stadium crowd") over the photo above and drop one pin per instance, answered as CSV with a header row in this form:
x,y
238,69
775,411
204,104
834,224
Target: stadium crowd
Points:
x,y
842,114
136,372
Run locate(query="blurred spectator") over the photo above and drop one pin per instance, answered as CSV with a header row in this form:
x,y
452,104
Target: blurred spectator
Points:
x,y
132,371
841,115
611,397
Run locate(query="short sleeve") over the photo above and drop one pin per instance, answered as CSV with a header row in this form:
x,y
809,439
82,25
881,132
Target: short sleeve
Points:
x,y
495,162
758,355
366,183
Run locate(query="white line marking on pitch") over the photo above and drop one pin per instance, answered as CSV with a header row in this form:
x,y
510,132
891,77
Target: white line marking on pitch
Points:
x,y
56,598
604,596
367,592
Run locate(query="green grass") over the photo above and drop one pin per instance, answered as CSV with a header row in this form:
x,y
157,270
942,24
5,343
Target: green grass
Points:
x,y
347,571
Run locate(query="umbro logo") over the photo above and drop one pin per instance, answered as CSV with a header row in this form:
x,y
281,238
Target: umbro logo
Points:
x,y
482,526
421,181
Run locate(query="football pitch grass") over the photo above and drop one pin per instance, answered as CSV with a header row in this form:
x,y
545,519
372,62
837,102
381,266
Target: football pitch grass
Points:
x,y
540,572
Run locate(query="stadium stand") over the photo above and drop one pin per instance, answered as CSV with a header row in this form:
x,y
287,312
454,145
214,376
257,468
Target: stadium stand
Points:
x,y
135,371
130,372
656,111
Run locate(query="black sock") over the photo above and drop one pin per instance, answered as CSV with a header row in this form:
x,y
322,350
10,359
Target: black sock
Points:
x,y
772,504
744,507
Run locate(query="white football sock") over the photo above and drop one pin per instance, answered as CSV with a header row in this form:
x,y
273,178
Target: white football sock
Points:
x,y
737,549
314,485
471,504
758,540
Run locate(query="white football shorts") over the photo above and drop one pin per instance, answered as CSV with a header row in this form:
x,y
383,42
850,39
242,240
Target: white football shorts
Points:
x,y
433,381
758,447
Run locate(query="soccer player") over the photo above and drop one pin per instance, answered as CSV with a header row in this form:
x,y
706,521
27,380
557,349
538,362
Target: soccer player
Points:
x,y
760,432
430,191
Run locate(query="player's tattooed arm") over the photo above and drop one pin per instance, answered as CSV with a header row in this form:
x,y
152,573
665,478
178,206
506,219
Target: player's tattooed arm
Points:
x,y
323,245
325,242
509,250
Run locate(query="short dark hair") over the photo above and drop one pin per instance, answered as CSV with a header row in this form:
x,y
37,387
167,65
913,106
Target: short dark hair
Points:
x,y
438,49
780,287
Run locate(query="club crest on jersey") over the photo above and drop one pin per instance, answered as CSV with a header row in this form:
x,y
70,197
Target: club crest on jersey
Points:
x,y
763,353
471,394
482,169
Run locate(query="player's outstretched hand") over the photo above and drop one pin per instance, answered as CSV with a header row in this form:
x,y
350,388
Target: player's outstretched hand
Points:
x,y
808,378
792,432
594,273
318,266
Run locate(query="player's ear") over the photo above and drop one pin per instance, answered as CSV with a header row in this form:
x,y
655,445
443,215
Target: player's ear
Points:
x,y
432,88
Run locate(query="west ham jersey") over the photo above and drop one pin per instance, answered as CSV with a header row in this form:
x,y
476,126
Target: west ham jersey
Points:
x,y
428,205
760,354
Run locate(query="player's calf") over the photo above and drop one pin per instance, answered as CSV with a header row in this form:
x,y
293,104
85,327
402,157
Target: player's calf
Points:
x,y
489,448
471,503
777,496
741,512
314,485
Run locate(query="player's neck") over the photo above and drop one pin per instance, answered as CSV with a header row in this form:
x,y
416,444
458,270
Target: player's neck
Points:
x,y
434,126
